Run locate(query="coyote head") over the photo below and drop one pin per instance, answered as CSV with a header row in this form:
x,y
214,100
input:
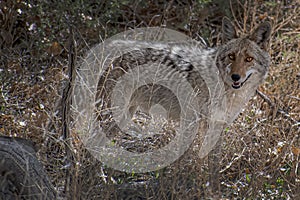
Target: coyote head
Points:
x,y
245,59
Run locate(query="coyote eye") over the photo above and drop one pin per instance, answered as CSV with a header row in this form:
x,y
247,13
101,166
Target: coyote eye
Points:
x,y
231,56
249,59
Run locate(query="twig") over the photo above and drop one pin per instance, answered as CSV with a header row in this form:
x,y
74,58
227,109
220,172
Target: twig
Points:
x,y
237,157
284,22
166,13
280,111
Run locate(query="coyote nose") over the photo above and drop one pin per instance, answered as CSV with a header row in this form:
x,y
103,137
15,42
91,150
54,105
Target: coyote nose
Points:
x,y
235,77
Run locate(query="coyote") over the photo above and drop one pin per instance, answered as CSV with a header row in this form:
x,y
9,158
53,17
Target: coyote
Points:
x,y
160,85
242,64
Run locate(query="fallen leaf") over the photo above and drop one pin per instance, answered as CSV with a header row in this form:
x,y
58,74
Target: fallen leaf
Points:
x,y
55,49
296,151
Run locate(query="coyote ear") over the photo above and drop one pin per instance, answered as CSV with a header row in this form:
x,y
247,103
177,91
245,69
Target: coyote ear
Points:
x,y
228,30
262,35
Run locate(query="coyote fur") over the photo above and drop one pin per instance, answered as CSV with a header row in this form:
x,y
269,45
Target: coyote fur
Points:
x,y
242,63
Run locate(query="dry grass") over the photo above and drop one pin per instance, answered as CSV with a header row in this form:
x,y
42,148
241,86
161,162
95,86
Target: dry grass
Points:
x,y
261,149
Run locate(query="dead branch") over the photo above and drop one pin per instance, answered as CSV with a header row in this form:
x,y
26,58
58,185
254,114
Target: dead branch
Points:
x,y
278,110
66,101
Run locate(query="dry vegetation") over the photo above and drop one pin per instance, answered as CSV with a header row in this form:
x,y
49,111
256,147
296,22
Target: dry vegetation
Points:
x,y
261,149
